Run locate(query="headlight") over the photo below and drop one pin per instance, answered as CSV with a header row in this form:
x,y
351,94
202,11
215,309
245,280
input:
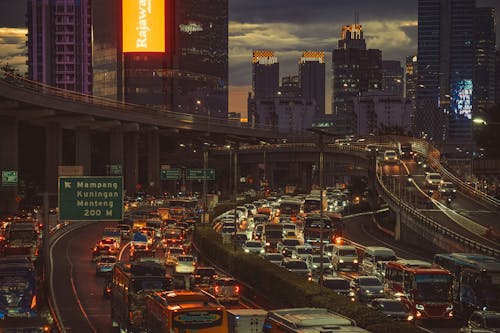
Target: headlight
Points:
x,y
351,293
268,244
262,251
381,291
410,318
355,261
368,292
419,307
247,250
341,261
315,266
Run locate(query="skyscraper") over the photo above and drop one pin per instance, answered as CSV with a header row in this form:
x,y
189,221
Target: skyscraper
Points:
x,y
265,74
445,70
355,70
59,43
171,54
312,78
411,86
393,77
484,59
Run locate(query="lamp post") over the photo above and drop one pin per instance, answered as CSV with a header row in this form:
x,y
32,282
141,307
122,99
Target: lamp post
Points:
x,y
205,168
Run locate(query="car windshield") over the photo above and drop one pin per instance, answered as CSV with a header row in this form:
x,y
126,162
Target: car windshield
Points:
x,y
253,244
388,257
432,287
304,250
493,322
274,257
226,282
290,242
370,282
337,284
205,271
176,251
434,177
185,259
348,253
296,264
393,306
390,153
317,259
108,260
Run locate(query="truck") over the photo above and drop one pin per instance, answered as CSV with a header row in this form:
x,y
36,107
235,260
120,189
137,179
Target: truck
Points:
x,y
272,234
406,150
22,239
246,320
130,286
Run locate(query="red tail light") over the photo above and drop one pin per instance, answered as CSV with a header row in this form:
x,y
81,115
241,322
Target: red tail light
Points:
x,y
217,289
237,289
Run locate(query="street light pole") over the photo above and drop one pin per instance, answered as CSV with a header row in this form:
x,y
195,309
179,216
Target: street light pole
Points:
x,y
205,168
321,210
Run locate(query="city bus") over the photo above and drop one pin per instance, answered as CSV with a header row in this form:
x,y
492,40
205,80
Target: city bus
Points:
x,y
476,280
423,287
291,208
312,204
332,228
184,311
18,292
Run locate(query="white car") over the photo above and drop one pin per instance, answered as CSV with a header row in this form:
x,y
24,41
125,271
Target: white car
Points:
x,y
186,264
433,179
254,246
390,156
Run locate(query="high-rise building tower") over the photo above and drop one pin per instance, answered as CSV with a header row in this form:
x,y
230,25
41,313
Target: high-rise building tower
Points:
x,y
355,70
484,59
411,86
351,37
169,54
393,77
59,43
497,78
445,70
265,74
312,78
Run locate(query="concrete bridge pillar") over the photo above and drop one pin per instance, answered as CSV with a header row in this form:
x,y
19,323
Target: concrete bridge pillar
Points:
x,y
397,227
131,161
53,157
9,161
153,162
116,155
83,149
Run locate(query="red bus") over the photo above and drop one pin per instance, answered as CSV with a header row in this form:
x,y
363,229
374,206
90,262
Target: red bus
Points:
x,y
423,287
332,228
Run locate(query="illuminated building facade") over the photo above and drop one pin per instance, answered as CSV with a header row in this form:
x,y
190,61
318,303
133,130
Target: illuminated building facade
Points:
x,y
59,43
355,70
312,78
265,74
411,86
393,77
170,54
447,84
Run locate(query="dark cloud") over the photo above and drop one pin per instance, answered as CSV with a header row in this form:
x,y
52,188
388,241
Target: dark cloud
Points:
x,y
12,13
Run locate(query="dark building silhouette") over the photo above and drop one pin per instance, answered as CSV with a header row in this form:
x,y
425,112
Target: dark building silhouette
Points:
x,y
393,77
59,44
312,78
265,74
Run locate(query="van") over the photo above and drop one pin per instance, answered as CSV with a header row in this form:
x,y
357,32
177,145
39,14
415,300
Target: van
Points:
x,y
390,156
344,257
374,254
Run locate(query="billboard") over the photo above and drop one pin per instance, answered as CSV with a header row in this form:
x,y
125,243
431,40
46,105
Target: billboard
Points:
x,y
143,24
462,99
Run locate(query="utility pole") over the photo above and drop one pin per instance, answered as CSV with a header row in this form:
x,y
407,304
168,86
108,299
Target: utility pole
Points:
x,y
205,169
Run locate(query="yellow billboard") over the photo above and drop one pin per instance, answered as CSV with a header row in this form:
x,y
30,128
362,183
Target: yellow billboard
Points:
x,y
143,23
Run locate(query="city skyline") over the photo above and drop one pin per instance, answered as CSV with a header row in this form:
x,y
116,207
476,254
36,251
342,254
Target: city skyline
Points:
x,y
287,28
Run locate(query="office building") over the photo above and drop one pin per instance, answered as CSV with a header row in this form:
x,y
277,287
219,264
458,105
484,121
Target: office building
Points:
x,y
497,78
484,59
173,55
59,43
393,77
377,111
445,70
355,70
265,74
312,78
411,86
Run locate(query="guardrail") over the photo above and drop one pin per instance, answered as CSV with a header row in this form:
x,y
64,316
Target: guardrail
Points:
x,y
429,223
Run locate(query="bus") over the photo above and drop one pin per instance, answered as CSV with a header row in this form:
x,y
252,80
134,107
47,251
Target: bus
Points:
x,y
476,281
312,204
272,234
18,297
424,288
184,311
297,320
22,239
291,208
332,228
130,285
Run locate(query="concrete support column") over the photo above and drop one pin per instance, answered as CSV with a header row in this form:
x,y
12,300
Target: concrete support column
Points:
x,y
116,154
271,166
9,161
131,161
83,150
397,227
53,157
153,138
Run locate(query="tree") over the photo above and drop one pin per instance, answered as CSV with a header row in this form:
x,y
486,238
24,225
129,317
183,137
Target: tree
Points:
x,y
487,135
9,69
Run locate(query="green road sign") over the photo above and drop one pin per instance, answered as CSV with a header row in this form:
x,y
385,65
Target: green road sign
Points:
x,y
90,198
9,178
114,169
197,174
170,174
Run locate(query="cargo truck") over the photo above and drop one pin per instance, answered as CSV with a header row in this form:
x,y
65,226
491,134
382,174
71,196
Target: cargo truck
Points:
x,y
246,320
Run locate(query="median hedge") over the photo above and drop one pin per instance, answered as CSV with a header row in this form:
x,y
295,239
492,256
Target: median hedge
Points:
x,y
278,284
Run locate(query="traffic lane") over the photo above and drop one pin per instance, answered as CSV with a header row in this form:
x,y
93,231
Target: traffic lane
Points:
x,y
77,290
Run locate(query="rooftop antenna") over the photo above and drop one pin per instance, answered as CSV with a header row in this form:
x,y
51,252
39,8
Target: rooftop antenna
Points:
x,y
356,18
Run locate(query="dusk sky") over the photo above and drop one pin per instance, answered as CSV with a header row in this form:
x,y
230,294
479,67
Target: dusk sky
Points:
x,y
285,26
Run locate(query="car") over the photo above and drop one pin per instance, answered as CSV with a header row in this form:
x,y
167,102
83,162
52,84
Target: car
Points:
x,y
291,234
254,246
172,253
367,287
433,180
274,258
298,267
302,251
287,245
111,243
482,322
448,189
344,256
257,231
390,156
339,285
225,290
228,230
372,148
139,253
125,231
204,276
114,233
108,283
239,238
104,265
100,250
392,308
172,237
185,264
288,227
314,262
